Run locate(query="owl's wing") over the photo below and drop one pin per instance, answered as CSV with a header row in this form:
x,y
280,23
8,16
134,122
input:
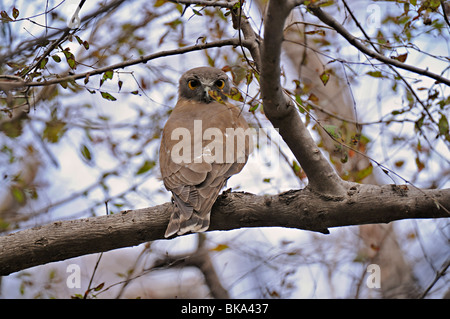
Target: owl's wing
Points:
x,y
194,193
195,186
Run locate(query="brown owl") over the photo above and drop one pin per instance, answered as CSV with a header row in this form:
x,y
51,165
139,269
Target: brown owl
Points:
x,y
205,141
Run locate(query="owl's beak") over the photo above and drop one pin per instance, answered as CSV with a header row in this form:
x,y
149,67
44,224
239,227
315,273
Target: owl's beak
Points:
x,y
207,95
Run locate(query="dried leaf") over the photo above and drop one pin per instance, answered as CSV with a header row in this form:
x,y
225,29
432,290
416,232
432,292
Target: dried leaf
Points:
x,y
15,13
400,58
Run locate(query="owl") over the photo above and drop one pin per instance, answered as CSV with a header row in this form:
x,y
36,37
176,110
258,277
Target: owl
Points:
x,y
205,141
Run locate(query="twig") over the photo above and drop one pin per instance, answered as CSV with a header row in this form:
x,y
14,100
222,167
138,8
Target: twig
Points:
x,y
330,21
439,274
206,3
143,59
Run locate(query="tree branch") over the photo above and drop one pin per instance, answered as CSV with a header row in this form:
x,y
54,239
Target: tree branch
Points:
x,y
121,65
208,3
200,259
284,115
330,21
301,209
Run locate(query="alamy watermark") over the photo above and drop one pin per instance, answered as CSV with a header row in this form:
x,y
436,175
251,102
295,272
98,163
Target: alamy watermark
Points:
x,y
74,278
213,145
374,279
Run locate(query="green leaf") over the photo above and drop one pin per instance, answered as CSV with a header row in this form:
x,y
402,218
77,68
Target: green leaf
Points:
x,y
148,165
54,130
443,125
376,74
196,12
79,40
253,108
43,63
99,287
108,96
86,153
108,74
56,58
70,58
295,167
333,130
159,3
18,194
14,127
324,77
364,173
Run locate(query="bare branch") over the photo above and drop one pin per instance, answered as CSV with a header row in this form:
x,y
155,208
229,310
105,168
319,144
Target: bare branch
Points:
x,y
143,59
207,3
330,21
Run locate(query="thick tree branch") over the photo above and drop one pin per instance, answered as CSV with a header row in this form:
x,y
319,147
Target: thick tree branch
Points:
x,y
333,23
302,209
283,114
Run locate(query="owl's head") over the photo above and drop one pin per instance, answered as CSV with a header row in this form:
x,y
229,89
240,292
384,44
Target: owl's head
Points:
x,y
197,84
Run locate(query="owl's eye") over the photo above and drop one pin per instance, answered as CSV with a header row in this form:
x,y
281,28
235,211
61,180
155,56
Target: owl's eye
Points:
x,y
220,84
193,84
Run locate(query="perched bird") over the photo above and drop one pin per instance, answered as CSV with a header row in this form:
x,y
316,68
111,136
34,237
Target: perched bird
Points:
x,y
205,141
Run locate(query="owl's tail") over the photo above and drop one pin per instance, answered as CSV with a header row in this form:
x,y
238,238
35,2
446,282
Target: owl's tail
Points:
x,y
185,219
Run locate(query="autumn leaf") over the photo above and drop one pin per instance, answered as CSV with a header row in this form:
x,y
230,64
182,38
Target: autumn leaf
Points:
x,y
220,247
15,13
400,58
5,16
235,95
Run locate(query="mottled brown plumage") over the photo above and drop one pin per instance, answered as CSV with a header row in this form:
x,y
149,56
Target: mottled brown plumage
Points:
x,y
196,182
